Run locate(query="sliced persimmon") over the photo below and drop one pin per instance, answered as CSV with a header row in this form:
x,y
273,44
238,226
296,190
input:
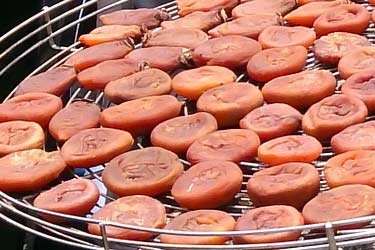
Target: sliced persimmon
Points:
x,y
190,6
261,7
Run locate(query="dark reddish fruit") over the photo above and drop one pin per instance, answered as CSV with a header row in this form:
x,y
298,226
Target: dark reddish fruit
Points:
x,y
271,63
230,103
266,218
73,197
95,146
148,82
229,51
178,133
280,185
76,117
55,81
136,210
149,171
29,170
209,184
20,135
313,85
199,221
151,18
272,120
290,148
234,145
346,202
140,116
352,167
333,114
34,107
332,47
197,20
249,26
355,137
94,55
352,18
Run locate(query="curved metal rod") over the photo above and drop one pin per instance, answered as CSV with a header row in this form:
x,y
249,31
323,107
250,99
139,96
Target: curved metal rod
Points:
x,y
57,32
32,19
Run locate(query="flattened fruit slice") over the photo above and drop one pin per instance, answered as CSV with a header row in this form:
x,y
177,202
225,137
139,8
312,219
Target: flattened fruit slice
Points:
x,y
352,18
98,76
272,120
341,203
362,86
332,47
179,37
149,171
29,170
355,137
249,26
229,51
234,145
194,82
313,85
190,6
93,55
55,81
199,221
280,185
333,114
73,197
208,184
76,117
284,36
197,20
91,147
109,33
20,135
140,116
290,148
136,210
262,7
274,62
35,107
148,82
361,59
266,218
352,167
230,103
306,15
178,133
164,58
151,18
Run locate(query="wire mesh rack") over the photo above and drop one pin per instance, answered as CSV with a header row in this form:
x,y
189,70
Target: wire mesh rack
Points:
x,y
17,208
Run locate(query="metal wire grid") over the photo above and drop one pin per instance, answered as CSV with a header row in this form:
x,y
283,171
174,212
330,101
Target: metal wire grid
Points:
x,y
75,235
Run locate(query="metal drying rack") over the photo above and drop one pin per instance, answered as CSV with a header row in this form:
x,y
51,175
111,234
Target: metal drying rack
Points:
x,y
17,209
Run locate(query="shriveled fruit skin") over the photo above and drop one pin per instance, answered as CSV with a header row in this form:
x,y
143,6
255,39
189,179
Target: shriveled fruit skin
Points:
x,y
190,6
197,20
151,18
76,117
332,47
55,81
94,55
149,82
232,52
260,6
352,18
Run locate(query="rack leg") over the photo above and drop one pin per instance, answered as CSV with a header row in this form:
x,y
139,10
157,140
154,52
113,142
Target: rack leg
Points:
x,y
331,236
104,236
